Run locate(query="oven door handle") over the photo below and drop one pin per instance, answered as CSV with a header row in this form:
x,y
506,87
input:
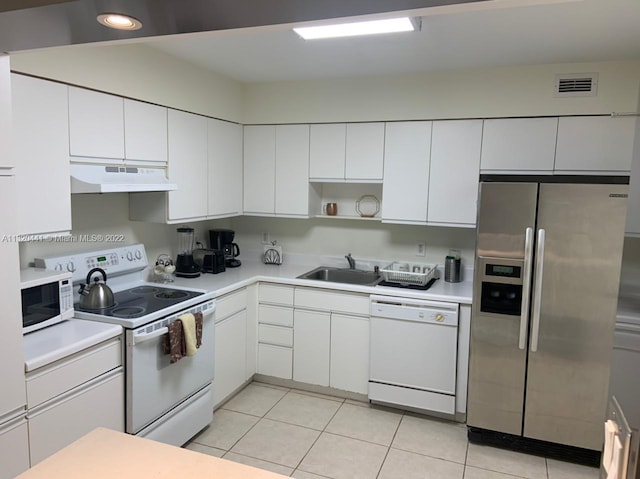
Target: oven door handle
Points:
x,y
143,338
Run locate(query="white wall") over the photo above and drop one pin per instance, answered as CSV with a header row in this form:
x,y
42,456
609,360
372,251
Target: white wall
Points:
x,y
137,71
479,93
363,239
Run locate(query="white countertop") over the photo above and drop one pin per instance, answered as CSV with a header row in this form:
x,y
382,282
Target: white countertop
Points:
x,y
252,271
63,339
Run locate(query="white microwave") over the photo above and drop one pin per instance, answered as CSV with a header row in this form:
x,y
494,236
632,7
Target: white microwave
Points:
x,y
47,298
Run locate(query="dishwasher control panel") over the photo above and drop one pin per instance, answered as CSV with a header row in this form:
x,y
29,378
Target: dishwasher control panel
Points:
x,y
415,310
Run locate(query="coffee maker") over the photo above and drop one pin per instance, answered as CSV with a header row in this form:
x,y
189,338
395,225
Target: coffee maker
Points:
x,y
223,240
186,267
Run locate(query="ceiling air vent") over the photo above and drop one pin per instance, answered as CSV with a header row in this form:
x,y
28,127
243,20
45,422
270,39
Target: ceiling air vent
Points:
x,y
576,84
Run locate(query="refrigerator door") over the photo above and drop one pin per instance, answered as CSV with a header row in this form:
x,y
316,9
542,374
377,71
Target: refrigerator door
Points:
x,y
579,250
498,354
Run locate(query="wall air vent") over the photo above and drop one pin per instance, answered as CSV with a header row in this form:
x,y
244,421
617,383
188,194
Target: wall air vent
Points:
x,y
576,84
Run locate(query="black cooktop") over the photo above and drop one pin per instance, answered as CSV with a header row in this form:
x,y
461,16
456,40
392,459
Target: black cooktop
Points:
x,y
142,300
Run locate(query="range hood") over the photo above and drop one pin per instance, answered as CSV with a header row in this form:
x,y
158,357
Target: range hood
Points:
x,y
118,179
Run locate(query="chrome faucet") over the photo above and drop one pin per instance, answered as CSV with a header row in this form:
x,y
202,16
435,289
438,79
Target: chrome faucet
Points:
x,y
352,262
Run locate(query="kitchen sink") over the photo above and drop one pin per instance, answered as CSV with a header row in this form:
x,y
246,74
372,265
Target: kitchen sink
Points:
x,y
343,275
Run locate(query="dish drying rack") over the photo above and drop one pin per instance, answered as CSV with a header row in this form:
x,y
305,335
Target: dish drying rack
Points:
x,y
417,274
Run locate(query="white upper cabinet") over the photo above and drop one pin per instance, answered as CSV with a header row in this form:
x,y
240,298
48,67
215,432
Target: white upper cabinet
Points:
x,y
346,152
187,165
292,170
96,124
454,172
519,144
595,143
405,190
41,155
259,169
6,158
364,152
225,168
145,132
327,145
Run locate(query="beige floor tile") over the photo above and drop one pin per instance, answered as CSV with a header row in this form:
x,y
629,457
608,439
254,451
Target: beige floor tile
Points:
x,y
343,458
507,462
365,423
211,451
277,442
567,470
408,465
226,429
298,474
255,399
471,472
303,410
260,464
432,437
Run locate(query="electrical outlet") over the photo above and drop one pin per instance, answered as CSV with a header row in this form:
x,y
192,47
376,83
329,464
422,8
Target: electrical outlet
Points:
x,y
265,238
420,250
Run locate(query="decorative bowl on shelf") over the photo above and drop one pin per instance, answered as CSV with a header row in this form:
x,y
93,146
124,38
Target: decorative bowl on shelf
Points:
x,y
368,206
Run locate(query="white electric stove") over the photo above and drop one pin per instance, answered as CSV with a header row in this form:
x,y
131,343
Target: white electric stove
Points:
x,y
168,402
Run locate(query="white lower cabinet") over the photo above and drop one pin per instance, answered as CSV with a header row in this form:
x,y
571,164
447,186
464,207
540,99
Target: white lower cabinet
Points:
x,y
349,353
230,356
331,339
14,448
275,330
311,339
72,396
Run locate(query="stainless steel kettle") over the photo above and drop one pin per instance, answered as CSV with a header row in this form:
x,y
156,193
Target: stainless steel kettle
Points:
x,y
97,295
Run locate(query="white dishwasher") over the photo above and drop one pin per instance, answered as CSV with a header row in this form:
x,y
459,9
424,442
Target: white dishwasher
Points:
x,y
413,353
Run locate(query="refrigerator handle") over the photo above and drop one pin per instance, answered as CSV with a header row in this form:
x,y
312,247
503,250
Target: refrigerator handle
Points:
x,y
537,291
526,286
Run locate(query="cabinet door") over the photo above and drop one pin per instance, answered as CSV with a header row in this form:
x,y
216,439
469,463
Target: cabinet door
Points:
x,y
225,168
364,151
96,124
519,144
292,170
349,353
6,150
598,143
327,144
13,397
454,172
311,339
14,449
259,169
405,189
187,165
230,356
274,361
145,132
41,152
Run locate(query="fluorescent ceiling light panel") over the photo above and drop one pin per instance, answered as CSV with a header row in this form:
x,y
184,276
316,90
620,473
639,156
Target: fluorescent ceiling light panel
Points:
x,y
373,27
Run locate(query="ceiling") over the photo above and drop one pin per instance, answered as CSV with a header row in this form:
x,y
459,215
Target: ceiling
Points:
x,y
483,34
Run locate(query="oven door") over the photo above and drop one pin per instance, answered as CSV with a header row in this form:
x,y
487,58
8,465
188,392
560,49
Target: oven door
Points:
x,y
154,385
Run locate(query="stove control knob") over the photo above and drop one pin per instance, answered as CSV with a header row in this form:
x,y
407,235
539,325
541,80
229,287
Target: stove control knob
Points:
x,y
129,255
138,255
71,267
58,267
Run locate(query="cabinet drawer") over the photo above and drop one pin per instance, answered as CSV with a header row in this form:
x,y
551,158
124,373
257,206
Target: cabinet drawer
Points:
x,y
230,304
100,404
324,300
275,361
277,335
54,379
275,315
275,294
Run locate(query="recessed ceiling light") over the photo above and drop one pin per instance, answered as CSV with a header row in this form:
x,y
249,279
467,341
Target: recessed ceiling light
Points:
x,y
372,27
119,21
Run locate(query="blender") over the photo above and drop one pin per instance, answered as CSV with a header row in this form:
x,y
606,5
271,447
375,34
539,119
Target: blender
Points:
x,y
186,267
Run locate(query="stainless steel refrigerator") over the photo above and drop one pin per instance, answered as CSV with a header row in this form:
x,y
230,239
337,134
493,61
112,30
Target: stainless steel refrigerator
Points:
x,y
544,305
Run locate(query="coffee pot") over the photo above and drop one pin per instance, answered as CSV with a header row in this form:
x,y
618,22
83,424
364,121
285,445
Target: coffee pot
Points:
x,y
222,240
